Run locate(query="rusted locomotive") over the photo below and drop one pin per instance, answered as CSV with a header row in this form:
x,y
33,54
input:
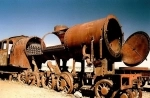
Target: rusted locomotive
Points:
x,y
100,43
21,58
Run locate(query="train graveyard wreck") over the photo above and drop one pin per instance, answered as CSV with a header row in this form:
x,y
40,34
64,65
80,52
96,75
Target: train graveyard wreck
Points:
x,y
100,43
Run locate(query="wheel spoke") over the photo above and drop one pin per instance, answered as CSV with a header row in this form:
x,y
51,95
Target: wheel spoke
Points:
x,y
100,86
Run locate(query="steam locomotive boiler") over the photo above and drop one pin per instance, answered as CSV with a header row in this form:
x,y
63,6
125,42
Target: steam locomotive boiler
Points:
x,y
100,43
20,57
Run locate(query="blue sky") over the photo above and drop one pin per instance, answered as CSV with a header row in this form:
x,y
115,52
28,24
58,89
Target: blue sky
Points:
x,y
38,17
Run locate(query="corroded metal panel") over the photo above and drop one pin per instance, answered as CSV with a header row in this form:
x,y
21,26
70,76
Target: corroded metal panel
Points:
x,y
6,48
136,48
127,80
3,57
17,56
23,50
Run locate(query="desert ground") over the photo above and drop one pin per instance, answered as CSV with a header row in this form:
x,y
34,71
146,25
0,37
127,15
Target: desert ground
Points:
x,y
12,89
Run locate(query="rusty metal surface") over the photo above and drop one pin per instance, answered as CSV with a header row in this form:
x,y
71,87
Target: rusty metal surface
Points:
x,y
5,46
136,48
60,30
103,68
53,68
22,49
3,56
127,80
126,94
107,28
14,39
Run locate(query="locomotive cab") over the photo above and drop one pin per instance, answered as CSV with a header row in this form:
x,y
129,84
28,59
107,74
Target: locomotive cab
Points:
x,y
19,51
4,52
5,49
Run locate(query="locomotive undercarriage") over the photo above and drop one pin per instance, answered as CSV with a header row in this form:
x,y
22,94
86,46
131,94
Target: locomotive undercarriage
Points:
x,y
102,82
102,86
108,85
105,86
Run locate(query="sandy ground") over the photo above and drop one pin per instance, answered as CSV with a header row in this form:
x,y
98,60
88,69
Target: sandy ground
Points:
x,y
10,89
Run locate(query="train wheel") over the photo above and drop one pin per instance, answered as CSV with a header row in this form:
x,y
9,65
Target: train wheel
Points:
x,y
51,82
34,80
13,77
102,88
10,77
71,81
65,82
137,93
126,94
43,81
22,77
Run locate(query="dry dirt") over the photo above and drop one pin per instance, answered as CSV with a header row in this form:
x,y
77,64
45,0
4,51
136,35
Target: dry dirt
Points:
x,y
12,89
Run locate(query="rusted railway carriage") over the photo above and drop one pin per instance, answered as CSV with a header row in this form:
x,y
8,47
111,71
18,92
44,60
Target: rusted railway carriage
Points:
x,y
100,43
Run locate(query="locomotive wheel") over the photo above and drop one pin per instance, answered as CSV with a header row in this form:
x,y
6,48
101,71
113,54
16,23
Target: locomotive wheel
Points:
x,y
65,82
70,76
43,81
71,81
13,77
102,88
34,80
22,77
126,94
137,93
51,82
10,77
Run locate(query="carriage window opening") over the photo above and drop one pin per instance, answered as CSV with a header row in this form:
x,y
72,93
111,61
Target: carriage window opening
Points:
x,y
4,45
10,46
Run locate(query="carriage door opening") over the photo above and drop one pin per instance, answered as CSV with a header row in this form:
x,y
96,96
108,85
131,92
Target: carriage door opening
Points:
x,y
5,47
3,53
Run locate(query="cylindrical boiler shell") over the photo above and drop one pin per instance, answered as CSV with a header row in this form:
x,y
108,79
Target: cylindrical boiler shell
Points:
x,y
107,28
